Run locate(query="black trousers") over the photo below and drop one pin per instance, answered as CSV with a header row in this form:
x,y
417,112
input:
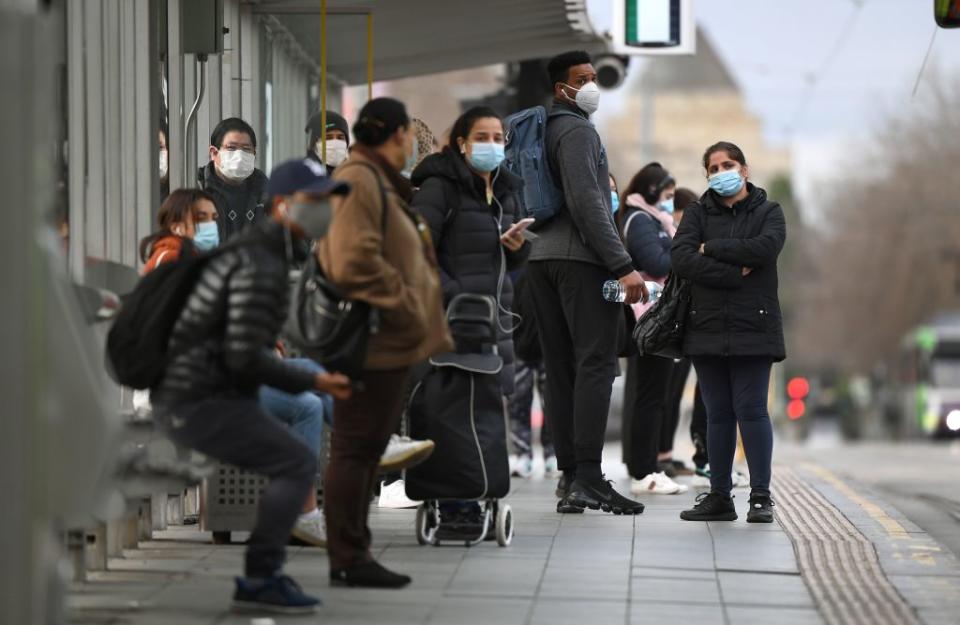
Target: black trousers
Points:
x,y
578,335
648,376
676,382
238,432
698,429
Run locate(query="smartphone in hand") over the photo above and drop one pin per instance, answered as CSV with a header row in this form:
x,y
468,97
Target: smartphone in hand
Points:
x,y
518,227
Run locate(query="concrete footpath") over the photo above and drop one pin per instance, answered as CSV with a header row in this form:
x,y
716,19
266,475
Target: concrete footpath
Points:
x,y
592,568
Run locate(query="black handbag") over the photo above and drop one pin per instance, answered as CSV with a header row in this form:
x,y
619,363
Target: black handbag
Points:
x,y
660,330
324,324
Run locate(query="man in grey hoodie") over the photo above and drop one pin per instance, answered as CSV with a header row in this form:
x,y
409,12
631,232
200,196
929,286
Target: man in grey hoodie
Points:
x,y
576,252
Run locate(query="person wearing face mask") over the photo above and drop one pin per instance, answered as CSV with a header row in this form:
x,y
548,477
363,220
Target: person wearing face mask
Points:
x,y
183,219
231,177
576,251
378,250
337,134
646,224
614,195
164,162
727,247
222,351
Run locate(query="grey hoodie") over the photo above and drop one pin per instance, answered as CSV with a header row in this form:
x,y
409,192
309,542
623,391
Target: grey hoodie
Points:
x,y
584,230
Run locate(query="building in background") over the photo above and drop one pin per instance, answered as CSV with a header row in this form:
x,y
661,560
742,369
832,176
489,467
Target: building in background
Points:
x,y
676,108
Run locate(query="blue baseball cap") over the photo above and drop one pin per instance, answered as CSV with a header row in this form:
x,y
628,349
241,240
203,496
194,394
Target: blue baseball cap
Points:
x,y
304,175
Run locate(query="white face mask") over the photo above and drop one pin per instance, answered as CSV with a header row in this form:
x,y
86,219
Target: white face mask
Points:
x,y
336,151
163,164
236,164
588,97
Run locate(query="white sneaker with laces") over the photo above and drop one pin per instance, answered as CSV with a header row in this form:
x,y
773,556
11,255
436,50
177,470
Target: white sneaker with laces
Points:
x,y
404,452
395,496
311,528
739,479
521,465
656,484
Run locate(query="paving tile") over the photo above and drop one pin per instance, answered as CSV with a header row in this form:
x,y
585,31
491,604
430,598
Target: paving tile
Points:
x,y
764,590
578,612
694,591
928,591
755,551
674,573
747,615
477,611
650,613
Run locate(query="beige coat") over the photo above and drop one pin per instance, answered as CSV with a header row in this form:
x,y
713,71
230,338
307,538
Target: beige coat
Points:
x,y
392,273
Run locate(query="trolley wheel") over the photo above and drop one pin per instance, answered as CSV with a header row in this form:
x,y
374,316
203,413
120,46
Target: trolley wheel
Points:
x,y
221,538
504,525
426,525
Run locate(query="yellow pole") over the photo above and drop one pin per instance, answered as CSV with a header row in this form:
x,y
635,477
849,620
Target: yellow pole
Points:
x,y
323,80
370,55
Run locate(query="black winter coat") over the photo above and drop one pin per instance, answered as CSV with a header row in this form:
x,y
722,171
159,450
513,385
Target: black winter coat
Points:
x,y
225,337
732,314
466,234
238,206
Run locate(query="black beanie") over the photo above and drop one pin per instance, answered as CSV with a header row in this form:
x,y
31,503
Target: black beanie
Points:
x,y
379,119
335,121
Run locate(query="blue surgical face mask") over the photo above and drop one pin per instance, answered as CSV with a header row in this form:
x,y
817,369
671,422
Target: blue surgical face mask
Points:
x,y
666,206
206,237
614,201
486,156
726,183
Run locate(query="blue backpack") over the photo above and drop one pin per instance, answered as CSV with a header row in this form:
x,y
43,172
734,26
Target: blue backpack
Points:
x,y
526,156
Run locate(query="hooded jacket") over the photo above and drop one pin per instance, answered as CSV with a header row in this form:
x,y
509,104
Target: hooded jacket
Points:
x,y
732,314
238,206
466,232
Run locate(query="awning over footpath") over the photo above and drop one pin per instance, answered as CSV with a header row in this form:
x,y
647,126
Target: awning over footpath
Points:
x,y
414,37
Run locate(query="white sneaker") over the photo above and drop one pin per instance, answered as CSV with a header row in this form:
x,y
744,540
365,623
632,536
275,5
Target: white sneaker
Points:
x,y
521,465
656,484
403,452
311,528
395,496
550,468
739,479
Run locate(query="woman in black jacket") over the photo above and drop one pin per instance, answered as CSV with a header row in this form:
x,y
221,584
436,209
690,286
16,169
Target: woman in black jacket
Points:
x,y
727,246
646,225
469,201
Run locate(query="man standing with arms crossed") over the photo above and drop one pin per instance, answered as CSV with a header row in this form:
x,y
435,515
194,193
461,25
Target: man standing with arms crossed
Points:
x,y
576,252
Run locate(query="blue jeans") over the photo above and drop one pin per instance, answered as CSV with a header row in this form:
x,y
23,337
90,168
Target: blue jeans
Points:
x,y
735,390
305,413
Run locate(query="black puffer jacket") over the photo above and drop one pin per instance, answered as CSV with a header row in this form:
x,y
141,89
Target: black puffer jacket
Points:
x,y
238,206
732,314
466,233
226,333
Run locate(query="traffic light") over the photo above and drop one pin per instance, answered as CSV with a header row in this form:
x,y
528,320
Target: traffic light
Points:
x,y
797,390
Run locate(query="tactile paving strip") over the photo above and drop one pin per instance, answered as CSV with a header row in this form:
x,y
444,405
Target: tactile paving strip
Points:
x,y
838,563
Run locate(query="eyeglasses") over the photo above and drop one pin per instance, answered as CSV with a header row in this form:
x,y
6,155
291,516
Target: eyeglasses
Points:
x,y
249,149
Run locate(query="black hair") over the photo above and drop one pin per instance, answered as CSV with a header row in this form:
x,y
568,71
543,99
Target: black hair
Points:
x,y
724,146
464,124
559,66
683,198
231,124
649,182
178,206
378,120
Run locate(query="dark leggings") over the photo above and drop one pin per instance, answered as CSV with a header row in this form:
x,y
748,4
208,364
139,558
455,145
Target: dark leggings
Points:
x,y
735,391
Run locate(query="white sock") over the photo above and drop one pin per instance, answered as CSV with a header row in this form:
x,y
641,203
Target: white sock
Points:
x,y
309,516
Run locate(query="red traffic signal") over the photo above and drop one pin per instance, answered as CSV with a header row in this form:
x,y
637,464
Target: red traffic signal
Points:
x,y
798,388
796,409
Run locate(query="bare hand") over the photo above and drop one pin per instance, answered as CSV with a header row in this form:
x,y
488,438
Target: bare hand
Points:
x,y
634,287
702,247
335,384
745,271
512,242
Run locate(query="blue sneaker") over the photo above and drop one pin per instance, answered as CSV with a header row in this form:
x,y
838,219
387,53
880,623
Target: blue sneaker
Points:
x,y
278,594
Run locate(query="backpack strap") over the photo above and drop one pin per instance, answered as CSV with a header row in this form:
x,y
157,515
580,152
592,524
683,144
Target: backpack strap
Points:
x,y
626,226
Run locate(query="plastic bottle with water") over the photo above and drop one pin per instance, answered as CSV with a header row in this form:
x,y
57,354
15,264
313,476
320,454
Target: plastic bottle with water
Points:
x,y
613,291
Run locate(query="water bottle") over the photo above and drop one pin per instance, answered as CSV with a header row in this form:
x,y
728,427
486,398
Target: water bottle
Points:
x,y
613,291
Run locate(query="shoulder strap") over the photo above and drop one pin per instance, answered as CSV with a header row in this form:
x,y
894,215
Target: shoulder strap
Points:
x,y
626,226
383,191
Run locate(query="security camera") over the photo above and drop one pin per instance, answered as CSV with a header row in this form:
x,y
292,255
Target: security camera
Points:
x,y
611,70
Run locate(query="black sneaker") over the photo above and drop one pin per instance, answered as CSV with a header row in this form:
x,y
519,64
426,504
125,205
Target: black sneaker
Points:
x,y
278,594
368,575
761,509
666,467
563,489
711,507
600,496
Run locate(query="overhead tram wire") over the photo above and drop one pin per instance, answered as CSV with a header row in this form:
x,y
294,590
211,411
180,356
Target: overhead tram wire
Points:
x,y
923,65
813,78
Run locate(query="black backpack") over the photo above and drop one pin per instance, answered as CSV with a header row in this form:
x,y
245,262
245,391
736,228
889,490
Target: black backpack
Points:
x,y
137,344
